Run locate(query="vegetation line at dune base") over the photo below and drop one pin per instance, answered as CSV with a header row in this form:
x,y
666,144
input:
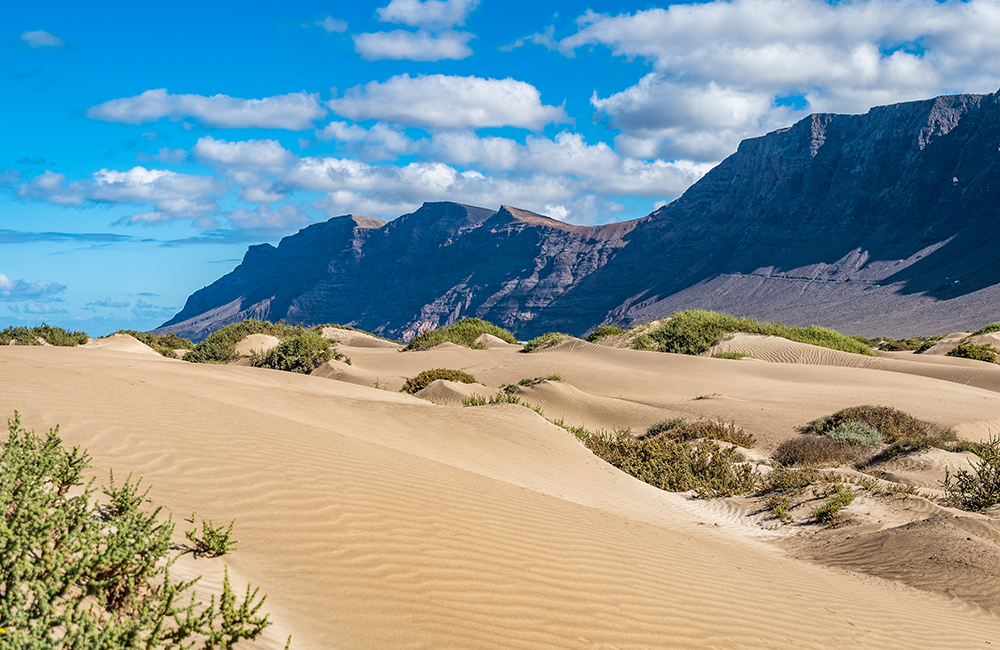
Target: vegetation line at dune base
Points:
x,y
463,332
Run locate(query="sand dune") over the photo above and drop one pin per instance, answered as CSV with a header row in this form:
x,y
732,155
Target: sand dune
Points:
x,y
375,519
121,343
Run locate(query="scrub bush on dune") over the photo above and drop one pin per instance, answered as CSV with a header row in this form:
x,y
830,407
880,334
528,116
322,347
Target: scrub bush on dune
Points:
x,y
220,345
464,333
81,573
301,354
51,335
424,379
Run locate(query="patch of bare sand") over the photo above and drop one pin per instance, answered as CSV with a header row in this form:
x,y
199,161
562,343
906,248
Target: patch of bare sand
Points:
x,y
121,343
451,393
356,339
375,519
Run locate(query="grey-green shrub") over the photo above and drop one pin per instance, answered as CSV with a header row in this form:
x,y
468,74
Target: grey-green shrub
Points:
x,y
424,379
220,345
464,333
547,340
856,433
301,354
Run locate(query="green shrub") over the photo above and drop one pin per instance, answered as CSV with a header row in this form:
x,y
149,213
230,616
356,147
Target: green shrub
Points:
x,y
779,504
319,330
674,465
528,383
502,397
829,512
165,344
79,574
424,379
816,451
790,481
730,355
988,329
547,340
51,335
213,541
893,424
695,332
977,352
604,331
220,345
464,333
856,433
681,429
301,354
978,489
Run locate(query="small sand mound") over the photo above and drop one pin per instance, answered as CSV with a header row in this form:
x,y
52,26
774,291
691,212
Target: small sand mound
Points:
x,y
451,393
560,400
122,343
355,339
925,469
258,343
952,341
340,371
490,341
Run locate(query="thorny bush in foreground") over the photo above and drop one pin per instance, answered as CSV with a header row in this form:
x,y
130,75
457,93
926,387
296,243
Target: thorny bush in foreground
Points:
x,y
75,573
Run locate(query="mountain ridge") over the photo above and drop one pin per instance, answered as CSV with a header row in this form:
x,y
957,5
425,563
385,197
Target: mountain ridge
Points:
x,y
874,223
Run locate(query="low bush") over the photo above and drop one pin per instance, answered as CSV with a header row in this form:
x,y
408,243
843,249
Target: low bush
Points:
x,y
817,451
674,465
51,335
893,424
695,332
970,351
78,573
165,344
979,488
730,355
987,329
213,541
829,512
318,329
856,433
464,333
682,429
220,345
528,383
424,379
302,354
604,331
547,340
502,397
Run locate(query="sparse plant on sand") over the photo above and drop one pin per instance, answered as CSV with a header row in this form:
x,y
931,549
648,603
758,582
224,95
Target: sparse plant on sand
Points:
x,y
528,383
76,573
165,344
604,331
464,333
673,465
817,451
976,352
302,354
424,379
731,355
977,488
34,335
682,429
829,512
695,332
214,541
502,397
547,340
856,433
220,345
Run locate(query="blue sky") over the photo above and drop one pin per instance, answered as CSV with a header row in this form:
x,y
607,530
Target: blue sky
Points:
x,y
146,145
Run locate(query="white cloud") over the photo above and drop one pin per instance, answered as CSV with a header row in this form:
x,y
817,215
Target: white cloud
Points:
x,y
381,142
431,14
52,188
400,45
17,290
265,155
439,101
331,25
722,68
284,217
42,39
294,111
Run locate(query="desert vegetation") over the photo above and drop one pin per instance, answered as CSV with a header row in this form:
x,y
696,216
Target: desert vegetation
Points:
x,y
604,331
424,379
82,572
165,344
547,340
47,333
319,330
463,332
977,488
682,429
220,345
302,354
695,332
528,383
674,465
972,351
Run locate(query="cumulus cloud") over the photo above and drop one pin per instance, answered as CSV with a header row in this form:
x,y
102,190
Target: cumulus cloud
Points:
x,y
294,111
42,39
39,308
722,70
18,290
401,45
108,303
431,14
283,217
380,142
173,195
450,102
263,154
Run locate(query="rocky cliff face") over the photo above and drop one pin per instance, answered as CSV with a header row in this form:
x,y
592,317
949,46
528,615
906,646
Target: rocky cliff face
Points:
x,y
886,222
